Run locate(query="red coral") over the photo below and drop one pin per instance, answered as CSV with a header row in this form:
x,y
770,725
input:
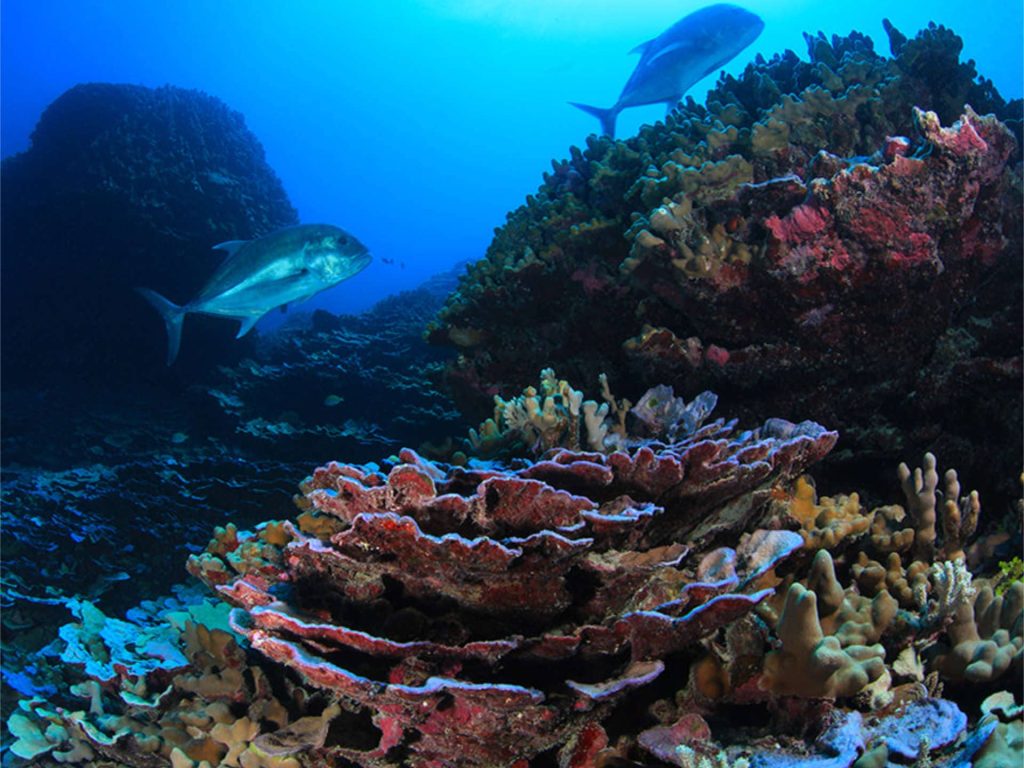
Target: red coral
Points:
x,y
496,614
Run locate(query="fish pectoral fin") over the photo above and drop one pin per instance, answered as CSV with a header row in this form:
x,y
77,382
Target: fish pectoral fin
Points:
x,y
246,324
642,47
230,246
677,49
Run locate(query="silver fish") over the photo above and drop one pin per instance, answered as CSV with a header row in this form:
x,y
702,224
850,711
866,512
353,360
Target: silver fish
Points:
x,y
688,51
286,266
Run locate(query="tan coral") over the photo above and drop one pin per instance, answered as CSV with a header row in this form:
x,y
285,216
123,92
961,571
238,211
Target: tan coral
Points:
x,y
810,663
825,522
696,250
540,420
985,639
854,619
888,532
909,585
959,516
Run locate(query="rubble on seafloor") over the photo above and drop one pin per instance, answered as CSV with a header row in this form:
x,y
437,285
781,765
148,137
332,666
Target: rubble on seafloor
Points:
x,y
673,593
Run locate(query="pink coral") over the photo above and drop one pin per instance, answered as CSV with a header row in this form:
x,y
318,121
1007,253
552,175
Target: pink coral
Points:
x,y
495,613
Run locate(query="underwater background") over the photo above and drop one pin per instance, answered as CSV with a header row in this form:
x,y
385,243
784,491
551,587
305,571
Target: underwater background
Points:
x,y
445,111
699,445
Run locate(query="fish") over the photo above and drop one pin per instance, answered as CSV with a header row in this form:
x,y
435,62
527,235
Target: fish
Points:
x,y
257,276
688,51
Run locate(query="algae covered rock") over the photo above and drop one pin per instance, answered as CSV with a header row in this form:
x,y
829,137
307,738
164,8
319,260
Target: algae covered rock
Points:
x,y
836,238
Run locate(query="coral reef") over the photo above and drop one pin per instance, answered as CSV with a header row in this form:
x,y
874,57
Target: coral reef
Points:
x,y
443,606
123,186
611,581
586,607
156,472
836,239
351,385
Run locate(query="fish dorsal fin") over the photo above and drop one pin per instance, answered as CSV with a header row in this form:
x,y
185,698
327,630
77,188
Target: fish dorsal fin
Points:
x,y
642,47
230,246
247,324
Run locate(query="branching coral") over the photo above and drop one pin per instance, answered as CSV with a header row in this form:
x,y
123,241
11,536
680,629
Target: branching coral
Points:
x,y
985,638
813,664
558,417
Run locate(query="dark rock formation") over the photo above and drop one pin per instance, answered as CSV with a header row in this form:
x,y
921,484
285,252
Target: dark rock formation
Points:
x,y
124,186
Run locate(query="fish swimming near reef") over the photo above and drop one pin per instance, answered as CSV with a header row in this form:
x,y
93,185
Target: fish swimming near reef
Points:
x,y
686,52
286,266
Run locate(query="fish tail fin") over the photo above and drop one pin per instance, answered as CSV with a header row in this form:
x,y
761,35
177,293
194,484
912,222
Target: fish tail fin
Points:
x,y
174,318
606,116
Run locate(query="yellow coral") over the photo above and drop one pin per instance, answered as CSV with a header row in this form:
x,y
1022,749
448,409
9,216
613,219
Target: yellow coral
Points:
x,y
826,522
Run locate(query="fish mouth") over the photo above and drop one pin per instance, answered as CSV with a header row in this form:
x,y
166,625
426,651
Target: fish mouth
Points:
x,y
362,261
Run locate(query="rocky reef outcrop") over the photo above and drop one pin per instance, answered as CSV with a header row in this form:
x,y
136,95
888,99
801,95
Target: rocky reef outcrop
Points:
x,y
123,186
837,239
110,510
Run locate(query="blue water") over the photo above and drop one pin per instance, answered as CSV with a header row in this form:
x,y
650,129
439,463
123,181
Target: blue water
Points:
x,y
416,124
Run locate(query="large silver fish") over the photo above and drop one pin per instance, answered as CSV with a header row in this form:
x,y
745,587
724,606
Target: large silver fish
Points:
x,y
688,51
286,266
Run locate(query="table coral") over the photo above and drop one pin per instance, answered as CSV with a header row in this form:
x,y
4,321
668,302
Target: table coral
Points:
x,y
447,605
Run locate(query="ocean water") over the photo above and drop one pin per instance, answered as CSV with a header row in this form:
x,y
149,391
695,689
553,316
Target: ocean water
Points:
x,y
417,124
